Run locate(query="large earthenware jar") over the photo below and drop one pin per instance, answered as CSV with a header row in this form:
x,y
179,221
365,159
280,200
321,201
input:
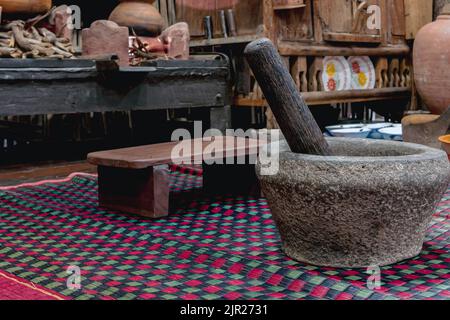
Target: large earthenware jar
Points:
x,y
432,63
369,205
141,15
25,6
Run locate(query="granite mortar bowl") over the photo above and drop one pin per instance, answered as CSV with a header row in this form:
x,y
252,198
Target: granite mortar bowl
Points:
x,y
368,205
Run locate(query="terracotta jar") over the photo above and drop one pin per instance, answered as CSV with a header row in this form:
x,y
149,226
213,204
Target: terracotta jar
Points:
x,y
144,18
25,6
432,63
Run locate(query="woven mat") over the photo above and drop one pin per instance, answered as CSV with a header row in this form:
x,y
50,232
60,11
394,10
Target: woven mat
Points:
x,y
208,248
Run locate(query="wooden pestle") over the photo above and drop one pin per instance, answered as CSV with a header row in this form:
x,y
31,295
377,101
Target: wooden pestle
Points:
x,y
292,113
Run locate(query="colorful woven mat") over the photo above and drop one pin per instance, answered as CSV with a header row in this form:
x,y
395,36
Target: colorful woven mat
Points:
x,y
208,248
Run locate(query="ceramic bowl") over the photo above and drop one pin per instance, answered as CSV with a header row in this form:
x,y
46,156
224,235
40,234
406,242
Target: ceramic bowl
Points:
x,y
344,126
351,133
379,125
392,133
375,127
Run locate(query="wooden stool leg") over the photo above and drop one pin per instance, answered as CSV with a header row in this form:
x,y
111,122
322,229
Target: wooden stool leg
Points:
x,y
230,179
144,192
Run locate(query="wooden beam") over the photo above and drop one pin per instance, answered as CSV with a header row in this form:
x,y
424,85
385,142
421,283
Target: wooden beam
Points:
x,y
323,98
83,89
298,49
351,37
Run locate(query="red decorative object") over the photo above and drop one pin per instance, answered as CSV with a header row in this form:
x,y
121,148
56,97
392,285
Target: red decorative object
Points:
x,y
331,85
356,68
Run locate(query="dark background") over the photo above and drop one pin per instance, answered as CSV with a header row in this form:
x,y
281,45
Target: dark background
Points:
x,y
91,10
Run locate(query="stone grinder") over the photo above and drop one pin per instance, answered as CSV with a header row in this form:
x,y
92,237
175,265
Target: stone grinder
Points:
x,y
343,202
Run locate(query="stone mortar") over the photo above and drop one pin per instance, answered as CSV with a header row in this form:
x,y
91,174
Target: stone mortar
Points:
x,y
369,205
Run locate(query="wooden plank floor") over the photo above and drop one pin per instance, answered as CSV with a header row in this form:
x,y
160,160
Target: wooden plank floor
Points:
x,y
24,173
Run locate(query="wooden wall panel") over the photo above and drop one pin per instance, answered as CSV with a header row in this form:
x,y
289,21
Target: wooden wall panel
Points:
x,y
217,25
346,20
194,15
336,15
417,14
383,12
397,11
295,24
248,15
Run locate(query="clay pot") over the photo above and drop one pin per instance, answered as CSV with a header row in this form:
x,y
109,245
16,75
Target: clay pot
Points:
x,y
25,6
432,62
142,17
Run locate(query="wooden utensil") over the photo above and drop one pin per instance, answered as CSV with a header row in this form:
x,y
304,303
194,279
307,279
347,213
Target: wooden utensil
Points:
x,y
293,115
231,23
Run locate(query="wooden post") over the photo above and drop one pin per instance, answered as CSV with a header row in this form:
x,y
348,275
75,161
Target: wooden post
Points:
x,y
293,115
144,192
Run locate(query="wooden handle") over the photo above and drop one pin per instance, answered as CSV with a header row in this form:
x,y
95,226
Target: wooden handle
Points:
x,y
293,115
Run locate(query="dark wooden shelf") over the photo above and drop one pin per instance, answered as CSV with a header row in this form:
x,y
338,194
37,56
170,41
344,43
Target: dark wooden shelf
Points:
x,y
291,48
288,7
223,41
322,97
351,37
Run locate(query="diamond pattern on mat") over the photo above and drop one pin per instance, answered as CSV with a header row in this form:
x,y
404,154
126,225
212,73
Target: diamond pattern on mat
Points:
x,y
208,248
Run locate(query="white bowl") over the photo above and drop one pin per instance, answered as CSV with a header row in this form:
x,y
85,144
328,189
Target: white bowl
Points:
x,y
329,129
375,127
379,125
345,126
392,133
351,133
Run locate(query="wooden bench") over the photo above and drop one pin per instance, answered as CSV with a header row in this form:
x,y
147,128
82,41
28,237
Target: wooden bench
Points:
x,y
137,180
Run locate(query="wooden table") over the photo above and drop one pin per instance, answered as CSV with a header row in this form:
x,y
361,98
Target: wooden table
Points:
x,y
136,180
33,87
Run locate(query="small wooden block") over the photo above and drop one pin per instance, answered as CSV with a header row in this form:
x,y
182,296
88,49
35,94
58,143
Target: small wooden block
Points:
x,y
137,180
144,192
